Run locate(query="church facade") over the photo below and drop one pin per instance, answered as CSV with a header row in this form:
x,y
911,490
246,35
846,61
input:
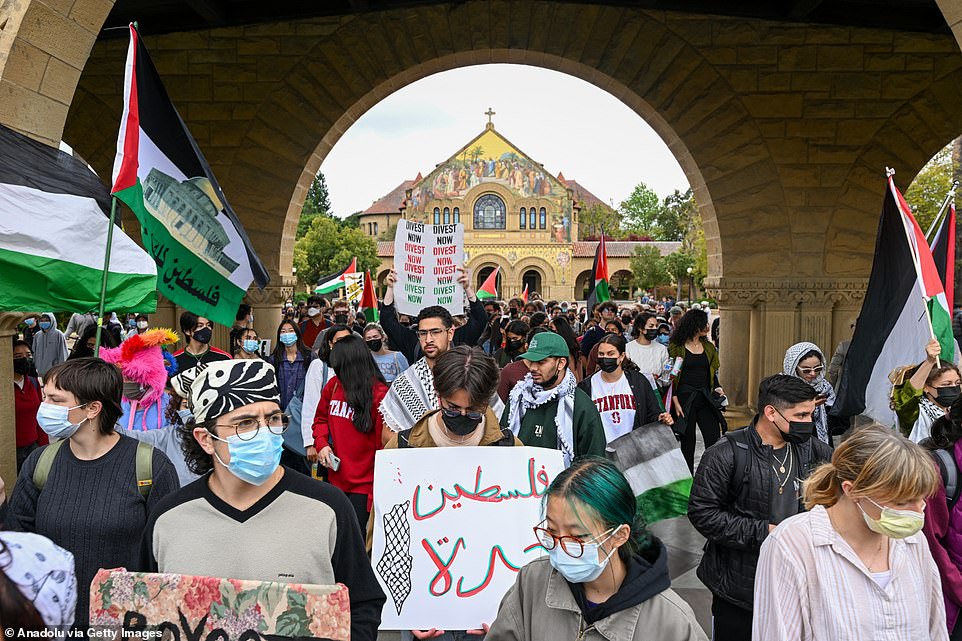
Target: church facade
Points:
x,y
516,216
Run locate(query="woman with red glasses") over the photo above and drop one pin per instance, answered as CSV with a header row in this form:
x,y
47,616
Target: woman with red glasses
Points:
x,y
605,576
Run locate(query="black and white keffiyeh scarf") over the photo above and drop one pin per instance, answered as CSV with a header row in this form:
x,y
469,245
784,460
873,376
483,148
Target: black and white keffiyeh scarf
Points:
x,y
526,394
820,416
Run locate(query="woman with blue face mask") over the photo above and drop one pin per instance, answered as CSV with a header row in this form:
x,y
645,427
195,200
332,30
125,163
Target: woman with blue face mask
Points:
x,y
856,564
605,576
86,498
246,344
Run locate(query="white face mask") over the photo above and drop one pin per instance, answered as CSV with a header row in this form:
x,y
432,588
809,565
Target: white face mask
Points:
x,y
142,324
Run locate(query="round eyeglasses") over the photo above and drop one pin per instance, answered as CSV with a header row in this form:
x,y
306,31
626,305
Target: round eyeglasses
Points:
x,y
246,429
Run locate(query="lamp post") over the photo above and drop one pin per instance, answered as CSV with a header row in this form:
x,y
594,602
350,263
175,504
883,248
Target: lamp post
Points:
x,y
689,270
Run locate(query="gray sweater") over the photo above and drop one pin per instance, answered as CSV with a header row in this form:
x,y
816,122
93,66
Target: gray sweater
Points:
x,y
90,508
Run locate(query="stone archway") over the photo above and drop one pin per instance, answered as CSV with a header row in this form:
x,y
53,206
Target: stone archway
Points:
x,y
582,281
620,284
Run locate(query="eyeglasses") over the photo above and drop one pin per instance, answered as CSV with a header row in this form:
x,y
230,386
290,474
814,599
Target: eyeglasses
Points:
x,y
432,333
807,371
573,546
247,428
452,412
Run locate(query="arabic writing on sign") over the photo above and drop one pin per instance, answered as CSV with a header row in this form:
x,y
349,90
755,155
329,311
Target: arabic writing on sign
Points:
x,y
182,278
537,486
443,574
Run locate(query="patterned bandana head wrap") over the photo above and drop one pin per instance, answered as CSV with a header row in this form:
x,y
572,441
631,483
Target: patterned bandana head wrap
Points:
x,y
225,386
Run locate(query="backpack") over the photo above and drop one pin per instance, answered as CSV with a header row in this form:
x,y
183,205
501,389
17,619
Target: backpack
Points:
x,y
404,438
144,465
949,470
738,439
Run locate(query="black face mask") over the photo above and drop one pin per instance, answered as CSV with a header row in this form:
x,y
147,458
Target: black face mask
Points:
x,y
461,424
514,345
608,365
340,319
203,335
549,382
945,396
798,431
22,365
133,390
375,344
513,312
651,334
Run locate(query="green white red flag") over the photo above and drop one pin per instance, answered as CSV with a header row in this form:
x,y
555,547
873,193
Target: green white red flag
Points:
x,y
205,261
488,288
598,292
368,305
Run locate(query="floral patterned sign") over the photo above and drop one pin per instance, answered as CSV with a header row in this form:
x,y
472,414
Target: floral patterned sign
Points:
x,y
199,607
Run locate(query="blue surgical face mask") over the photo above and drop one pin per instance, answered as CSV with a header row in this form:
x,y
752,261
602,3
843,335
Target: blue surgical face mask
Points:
x,y
288,338
255,460
251,346
663,339
586,567
30,322
45,325
185,415
53,420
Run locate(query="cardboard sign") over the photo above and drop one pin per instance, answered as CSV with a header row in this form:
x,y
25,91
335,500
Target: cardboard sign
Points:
x,y
426,260
181,607
452,529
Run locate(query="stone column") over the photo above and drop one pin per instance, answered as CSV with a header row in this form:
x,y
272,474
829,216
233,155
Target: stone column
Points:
x,y
8,422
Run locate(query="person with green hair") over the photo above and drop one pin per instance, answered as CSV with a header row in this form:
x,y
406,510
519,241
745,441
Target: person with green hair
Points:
x,y
605,575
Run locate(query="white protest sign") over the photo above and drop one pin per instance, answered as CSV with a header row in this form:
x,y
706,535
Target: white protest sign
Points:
x,y
452,529
426,260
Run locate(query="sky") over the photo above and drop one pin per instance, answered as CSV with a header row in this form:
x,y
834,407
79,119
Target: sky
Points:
x,y
565,123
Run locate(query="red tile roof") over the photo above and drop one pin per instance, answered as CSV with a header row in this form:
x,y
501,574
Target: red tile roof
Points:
x,y
582,195
391,204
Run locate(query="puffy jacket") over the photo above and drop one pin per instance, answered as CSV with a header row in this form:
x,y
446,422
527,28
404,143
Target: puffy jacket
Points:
x,y
733,514
542,606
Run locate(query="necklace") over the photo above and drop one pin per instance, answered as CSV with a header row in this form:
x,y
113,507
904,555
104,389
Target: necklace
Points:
x,y
781,483
782,462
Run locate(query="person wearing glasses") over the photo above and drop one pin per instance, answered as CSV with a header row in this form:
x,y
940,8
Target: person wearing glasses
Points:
x,y
605,575
806,361
465,380
234,521
925,393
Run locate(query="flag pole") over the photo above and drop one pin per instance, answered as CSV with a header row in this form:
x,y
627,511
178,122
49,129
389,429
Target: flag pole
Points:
x,y
103,280
942,209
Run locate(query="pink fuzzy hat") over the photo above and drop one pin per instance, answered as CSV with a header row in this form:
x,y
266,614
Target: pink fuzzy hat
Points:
x,y
141,359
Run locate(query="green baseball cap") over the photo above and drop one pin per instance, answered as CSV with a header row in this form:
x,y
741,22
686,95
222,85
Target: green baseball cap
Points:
x,y
546,344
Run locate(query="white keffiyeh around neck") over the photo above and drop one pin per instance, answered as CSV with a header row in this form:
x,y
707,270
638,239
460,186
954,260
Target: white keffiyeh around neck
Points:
x,y
526,394
411,396
929,413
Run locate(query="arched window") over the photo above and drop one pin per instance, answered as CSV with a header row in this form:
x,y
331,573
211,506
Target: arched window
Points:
x,y
489,212
532,218
375,229
543,217
447,216
457,215
437,216
524,218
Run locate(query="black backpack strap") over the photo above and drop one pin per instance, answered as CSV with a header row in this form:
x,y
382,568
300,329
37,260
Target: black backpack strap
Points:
x,y
739,443
404,438
507,437
949,470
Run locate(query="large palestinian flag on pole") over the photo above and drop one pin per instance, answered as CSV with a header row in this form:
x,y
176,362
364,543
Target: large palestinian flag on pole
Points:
x,y
205,262
53,236
943,253
368,305
598,286
904,292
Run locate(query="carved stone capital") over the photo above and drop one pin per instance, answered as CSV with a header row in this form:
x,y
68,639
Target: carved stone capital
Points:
x,y
270,295
738,292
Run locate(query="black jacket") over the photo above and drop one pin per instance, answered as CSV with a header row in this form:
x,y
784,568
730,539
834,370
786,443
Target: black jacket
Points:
x,y
647,407
405,340
733,514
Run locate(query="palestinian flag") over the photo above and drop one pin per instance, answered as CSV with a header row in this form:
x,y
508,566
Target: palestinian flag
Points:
x,y
205,262
943,253
368,305
337,280
655,468
893,326
488,289
53,236
524,294
598,287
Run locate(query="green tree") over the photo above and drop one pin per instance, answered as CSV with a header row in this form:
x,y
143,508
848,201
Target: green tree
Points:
x,y
640,212
389,233
927,191
677,264
317,203
327,247
597,218
648,267
677,215
353,221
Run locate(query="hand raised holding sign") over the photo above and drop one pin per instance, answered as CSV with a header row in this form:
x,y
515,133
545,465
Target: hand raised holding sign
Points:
x,y
465,281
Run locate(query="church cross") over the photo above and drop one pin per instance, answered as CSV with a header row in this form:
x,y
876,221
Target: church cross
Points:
x,y
490,112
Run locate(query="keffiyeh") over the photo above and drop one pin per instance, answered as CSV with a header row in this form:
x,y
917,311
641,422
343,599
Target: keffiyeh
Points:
x,y
929,412
411,396
822,387
225,386
526,394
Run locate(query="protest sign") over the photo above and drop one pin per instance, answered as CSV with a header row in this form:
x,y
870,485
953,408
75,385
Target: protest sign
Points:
x,y
426,260
452,529
182,607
